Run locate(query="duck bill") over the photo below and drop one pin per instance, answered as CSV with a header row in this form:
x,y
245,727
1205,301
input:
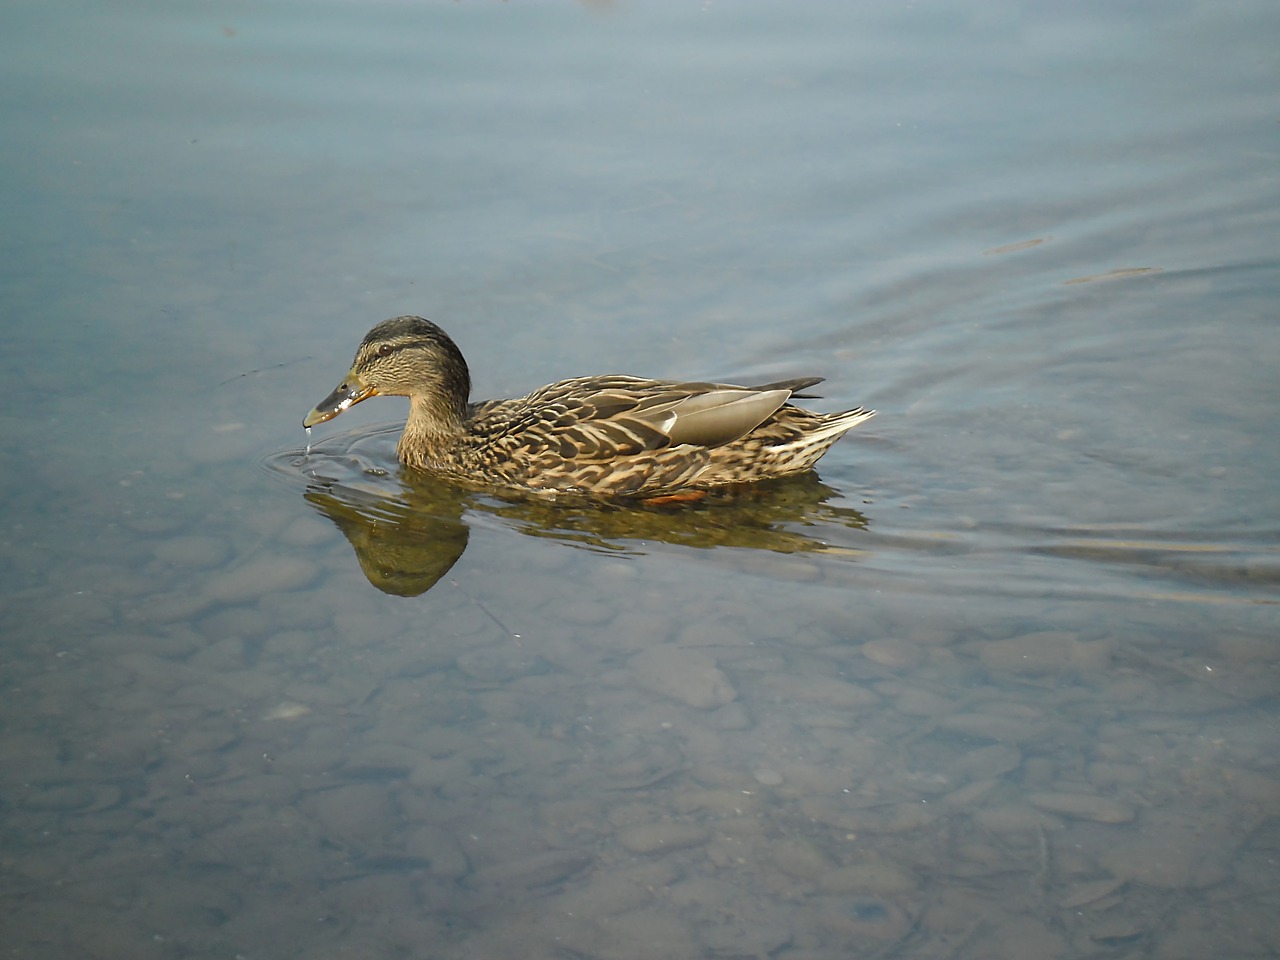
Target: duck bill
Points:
x,y
348,393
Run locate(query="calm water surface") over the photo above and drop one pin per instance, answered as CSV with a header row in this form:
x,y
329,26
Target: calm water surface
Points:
x,y
1000,681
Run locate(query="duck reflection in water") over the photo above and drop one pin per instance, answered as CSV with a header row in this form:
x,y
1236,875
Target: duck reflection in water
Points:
x,y
409,529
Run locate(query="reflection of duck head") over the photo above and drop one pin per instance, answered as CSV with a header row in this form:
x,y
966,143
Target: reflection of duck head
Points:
x,y
403,546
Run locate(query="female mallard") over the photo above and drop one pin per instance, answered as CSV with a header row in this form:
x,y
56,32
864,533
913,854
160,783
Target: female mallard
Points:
x,y
610,436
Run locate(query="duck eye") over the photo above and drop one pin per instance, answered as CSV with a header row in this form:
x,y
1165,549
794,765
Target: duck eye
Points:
x,y
386,350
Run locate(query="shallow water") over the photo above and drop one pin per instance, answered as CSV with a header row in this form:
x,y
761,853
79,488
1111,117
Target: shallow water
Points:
x,y
1000,681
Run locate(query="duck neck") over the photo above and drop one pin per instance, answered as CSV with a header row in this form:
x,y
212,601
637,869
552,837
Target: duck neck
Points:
x,y
434,426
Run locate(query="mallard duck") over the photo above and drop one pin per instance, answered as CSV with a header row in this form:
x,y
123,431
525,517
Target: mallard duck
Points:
x,y
603,437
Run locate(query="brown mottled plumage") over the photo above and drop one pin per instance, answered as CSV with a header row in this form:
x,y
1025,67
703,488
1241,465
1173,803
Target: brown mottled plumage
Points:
x,y
609,436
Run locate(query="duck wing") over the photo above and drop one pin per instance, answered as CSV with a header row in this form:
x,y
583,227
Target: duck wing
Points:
x,y
713,415
606,418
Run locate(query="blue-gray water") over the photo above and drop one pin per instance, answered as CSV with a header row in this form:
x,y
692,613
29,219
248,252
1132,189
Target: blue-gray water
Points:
x,y
1000,682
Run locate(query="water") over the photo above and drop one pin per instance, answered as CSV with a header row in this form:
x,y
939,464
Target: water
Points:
x,y
999,681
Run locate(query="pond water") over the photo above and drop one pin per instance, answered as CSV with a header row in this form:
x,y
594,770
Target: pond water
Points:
x,y
999,681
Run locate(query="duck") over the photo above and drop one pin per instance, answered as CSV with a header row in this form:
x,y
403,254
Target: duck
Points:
x,y
600,437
